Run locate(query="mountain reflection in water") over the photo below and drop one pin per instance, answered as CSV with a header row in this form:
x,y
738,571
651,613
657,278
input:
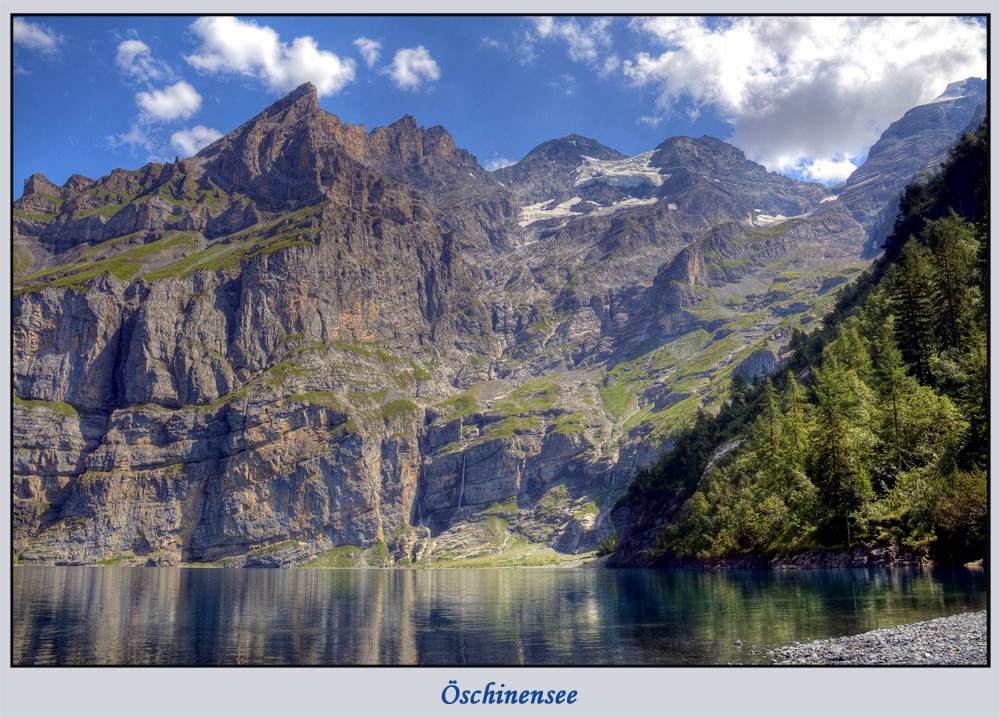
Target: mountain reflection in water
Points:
x,y
186,616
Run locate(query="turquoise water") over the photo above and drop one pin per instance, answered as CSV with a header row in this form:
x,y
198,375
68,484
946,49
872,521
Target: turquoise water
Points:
x,y
187,616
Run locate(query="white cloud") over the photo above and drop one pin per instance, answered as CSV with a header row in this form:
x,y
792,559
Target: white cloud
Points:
x,y
138,137
188,142
35,37
232,46
826,171
175,102
544,25
135,59
370,50
584,43
412,67
610,65
803,93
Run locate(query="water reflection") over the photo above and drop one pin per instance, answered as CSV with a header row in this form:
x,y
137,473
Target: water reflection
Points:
x,y
172,616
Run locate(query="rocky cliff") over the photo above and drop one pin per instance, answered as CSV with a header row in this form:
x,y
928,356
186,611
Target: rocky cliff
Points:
x,y
315,343
913,146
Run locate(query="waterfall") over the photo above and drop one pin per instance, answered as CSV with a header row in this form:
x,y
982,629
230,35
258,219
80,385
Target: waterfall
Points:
x,y
420,516
461,491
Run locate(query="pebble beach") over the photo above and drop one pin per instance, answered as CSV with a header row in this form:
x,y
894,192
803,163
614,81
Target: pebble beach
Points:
x,y
955,640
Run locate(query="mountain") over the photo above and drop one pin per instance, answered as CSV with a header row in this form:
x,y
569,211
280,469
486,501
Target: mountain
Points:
x,y
870,448
912,147
315,342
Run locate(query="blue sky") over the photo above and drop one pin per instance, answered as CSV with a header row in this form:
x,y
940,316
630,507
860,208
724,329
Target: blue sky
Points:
x,y
803,96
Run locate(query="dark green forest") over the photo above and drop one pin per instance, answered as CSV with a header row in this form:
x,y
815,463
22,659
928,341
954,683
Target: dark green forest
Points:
x,y
876,432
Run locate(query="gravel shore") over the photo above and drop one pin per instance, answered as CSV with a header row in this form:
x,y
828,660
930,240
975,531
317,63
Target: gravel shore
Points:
x,y
956,640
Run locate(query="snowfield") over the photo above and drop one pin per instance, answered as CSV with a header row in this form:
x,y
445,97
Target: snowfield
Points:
x,y
630,172
542,210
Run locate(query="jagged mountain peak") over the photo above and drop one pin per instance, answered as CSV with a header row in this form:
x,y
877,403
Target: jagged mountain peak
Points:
x,y
303,98
969,87
301,103
705,153
947,113
913,145
405,122
570,150
37,183
548,171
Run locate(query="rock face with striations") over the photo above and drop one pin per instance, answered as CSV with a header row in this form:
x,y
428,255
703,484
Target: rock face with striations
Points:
x,y
312,342
915,144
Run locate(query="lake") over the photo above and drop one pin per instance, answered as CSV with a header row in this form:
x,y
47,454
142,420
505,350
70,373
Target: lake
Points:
x,y
573,617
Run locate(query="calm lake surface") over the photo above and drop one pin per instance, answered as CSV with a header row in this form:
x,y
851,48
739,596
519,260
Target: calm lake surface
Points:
x,y
186,616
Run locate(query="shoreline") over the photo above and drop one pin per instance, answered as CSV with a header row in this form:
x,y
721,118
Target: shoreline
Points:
x,y
958,640
878,557
587,561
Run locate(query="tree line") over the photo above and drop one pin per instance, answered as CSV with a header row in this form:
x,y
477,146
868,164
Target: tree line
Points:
x,y
877,431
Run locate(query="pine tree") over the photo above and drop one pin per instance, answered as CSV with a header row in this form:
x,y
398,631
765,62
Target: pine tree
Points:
x,y
766,433
841,444
975,402
849,349
738,390
892,385
794,431
912,293
952,242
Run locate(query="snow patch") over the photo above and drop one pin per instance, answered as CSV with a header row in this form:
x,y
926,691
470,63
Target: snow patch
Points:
x,y
766,220
829,199
630,172
954,91
624,204
759,219
541,210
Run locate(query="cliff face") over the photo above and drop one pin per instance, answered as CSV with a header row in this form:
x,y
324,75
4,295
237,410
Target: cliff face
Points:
x,y
314,342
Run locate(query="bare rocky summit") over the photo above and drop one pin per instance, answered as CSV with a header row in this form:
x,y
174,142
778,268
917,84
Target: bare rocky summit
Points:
x,y
316,343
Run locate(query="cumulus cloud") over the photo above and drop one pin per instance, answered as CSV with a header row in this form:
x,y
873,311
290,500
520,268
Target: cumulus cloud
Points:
x,y
35,37
584,42
188,142
237,47
175,102
412,67
135,59
806,93
370,50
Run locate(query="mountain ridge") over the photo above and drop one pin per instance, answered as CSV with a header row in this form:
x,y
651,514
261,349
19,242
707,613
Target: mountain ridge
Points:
x,y
317,334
